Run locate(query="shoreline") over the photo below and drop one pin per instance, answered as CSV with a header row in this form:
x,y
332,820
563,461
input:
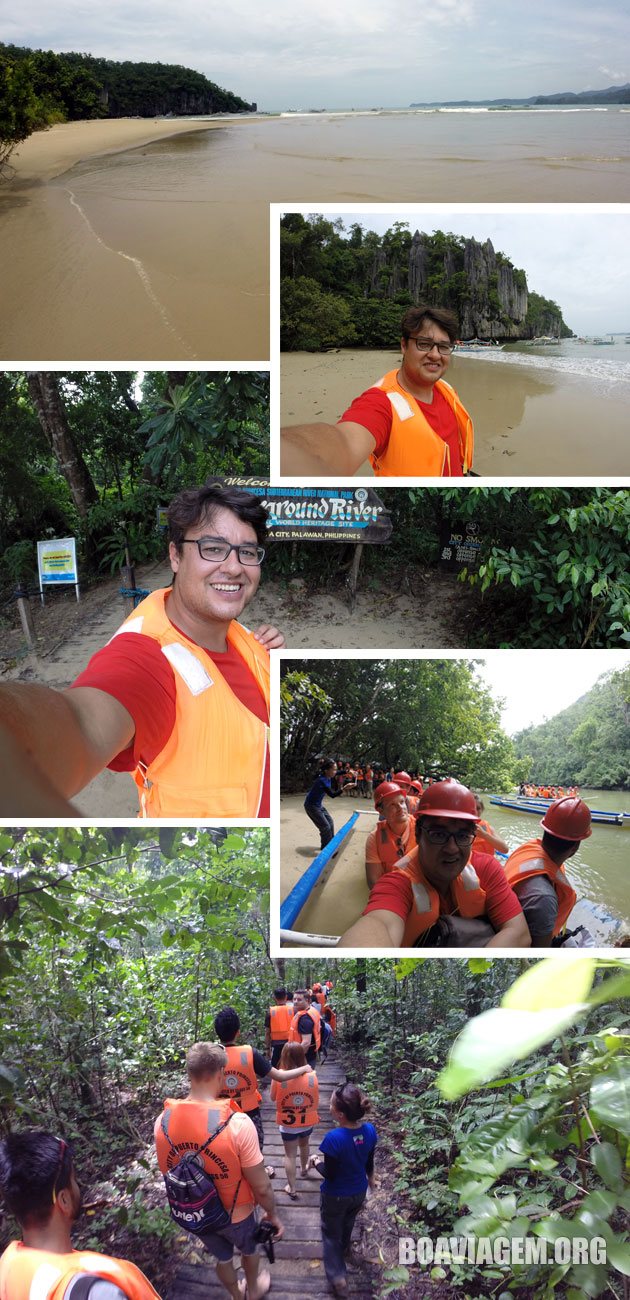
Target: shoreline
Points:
x,y
522,415
54,150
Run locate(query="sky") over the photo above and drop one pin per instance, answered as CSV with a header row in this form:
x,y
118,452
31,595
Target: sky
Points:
x,y
573,256
357,53
537,684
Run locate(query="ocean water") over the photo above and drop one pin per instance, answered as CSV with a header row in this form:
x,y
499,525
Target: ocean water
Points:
x,y
606,367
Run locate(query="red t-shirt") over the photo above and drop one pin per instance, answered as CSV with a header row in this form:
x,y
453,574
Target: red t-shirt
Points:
x,y
133,669
373,410
393,893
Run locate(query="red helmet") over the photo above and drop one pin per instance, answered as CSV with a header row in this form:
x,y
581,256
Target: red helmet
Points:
x,y
402,776
416,786
568,818
448,799
385,791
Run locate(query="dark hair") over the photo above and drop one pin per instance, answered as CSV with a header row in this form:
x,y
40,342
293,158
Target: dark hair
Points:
x,y
351,1101
326,763
327,1014
555,844
194,506
415,317
279,993
34,1167
227,1024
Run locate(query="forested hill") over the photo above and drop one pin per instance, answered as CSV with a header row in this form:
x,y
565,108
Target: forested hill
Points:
x,y
588,743
69,87
341,288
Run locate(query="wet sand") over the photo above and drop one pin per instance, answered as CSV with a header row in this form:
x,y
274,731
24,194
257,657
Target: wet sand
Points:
x,y
341,894
527,421
160,252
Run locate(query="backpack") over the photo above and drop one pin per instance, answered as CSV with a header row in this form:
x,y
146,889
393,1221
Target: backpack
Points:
x,y
193,1199
457,932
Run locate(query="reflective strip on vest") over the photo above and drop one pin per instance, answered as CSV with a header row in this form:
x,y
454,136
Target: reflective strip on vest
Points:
x,y
43,1281
533,864
421,897
469,878
187,665
401,406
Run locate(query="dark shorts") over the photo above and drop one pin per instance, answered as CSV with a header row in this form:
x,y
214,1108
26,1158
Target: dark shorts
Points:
x,y
235,1236
293,1136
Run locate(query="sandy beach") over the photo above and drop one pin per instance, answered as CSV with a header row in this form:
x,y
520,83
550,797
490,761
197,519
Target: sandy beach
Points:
x,y
522,415
149,240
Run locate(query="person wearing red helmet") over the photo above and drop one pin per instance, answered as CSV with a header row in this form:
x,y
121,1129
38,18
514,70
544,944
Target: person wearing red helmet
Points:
x,y
394,835
403,779
441,877
535,870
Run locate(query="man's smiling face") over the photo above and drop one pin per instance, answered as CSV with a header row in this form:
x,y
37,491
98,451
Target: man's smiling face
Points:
x,y
214,590
422,368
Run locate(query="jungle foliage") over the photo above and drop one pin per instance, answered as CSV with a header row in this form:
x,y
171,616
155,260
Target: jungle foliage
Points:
x,y
93,455
351,708
590,739
39,88
342,288
119,946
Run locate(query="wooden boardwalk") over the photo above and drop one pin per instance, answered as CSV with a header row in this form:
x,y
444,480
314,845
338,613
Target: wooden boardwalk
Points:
x,y
298,1269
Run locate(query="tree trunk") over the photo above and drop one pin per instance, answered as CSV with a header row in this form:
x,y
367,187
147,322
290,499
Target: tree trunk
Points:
x,y
48,402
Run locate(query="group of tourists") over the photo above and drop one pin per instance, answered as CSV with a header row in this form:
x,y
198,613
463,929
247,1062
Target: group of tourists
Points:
x,y
434,876
534,791
209,1145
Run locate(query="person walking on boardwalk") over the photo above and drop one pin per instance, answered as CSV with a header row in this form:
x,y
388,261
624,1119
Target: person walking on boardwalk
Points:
x,y
313,804
233,1159
296,1113
306,1025
245,1065
346,1166
277,1025
39,1187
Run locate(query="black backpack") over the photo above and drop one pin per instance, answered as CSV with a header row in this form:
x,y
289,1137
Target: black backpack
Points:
x,y
193,1199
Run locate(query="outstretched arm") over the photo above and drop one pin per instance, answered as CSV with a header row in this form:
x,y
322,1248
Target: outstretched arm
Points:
x,y
59,740
324,449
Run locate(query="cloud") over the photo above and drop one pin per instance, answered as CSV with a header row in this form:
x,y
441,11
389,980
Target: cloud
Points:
x,y
614,76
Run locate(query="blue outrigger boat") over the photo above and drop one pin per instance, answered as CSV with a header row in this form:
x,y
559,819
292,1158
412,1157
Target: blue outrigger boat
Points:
x,y
537,805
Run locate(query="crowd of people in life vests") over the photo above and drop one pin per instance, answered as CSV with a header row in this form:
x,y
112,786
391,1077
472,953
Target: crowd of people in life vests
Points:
x,y
534,791
209,1146
434,875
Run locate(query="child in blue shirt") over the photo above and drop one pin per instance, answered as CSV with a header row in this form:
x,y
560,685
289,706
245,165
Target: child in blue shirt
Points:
x,y
347,1169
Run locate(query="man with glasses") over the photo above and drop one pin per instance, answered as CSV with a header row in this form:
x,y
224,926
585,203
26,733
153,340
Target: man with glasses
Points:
x,y
410,424
441,877
39,1187
180,695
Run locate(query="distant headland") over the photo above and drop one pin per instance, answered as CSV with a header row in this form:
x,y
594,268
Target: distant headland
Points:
x,y
612,95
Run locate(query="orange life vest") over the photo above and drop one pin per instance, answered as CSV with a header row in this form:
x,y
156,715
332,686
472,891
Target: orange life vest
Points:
x,y
189,1124
321,998
240,1077
333,1020
390,847
29,1274
468,897
294,1033
296,1101
530,860
280,1022
213,763
414,448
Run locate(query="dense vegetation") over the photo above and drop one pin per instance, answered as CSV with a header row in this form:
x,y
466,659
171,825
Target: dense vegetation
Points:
x,y
39,88
449,725
589,742
341,288
93,455
119,946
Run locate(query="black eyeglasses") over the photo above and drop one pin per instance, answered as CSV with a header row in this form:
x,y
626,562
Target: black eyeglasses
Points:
x,y
427,345
63,1147
437,835
215,549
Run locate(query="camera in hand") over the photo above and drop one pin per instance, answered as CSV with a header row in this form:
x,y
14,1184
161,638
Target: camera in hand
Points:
x,y
265,1234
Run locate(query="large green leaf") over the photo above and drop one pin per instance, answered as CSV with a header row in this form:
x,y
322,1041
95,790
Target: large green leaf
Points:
x,y
610,1097
552,984
608,1164
498,1037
